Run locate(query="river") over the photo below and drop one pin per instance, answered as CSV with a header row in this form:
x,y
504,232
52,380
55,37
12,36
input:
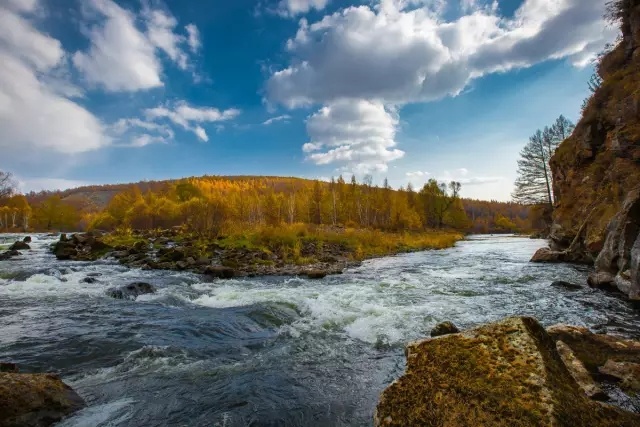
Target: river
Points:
x,y
276,351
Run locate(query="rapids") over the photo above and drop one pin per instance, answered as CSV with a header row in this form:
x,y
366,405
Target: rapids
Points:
x,y
276,351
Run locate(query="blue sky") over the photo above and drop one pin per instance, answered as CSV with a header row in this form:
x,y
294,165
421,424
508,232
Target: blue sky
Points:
x,y
105,91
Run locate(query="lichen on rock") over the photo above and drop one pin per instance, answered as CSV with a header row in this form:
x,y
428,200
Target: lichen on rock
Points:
x,y
502,374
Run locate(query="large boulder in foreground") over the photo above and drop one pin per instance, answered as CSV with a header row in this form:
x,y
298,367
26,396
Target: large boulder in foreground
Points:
x,y
503,374
35,400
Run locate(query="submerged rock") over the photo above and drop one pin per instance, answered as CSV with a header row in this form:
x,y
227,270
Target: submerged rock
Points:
x,y
4,256
503,374
35,400
131,291
566,285
444,328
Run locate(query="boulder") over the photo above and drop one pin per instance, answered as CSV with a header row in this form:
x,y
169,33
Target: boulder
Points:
x,y
566,285
131,291
548,255
64,250
316,274
19,246
594,350
220,272
601,279
444,328
579,372
627,372
27,239
503,374
89,280
35,400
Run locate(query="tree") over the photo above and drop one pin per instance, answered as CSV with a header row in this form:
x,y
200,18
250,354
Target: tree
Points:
x,y
534,182
7,186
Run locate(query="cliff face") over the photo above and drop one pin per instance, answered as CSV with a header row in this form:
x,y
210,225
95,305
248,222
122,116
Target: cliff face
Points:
x,y
597,170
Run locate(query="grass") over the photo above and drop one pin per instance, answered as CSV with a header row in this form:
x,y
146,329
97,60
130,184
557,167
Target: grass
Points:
x,y
289,240
304,244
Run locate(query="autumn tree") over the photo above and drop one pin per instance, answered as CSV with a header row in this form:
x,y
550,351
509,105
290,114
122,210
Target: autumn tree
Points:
x,y
534,182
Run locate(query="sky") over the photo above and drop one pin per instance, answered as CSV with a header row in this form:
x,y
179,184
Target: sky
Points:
x,y
112,91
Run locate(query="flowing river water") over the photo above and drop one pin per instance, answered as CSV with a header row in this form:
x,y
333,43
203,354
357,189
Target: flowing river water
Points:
x,y
275,351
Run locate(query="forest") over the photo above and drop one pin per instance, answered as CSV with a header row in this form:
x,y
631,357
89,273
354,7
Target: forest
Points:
x,y
212,205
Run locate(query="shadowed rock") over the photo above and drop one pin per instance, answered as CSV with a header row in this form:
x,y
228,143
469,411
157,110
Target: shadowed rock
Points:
x,y
35,400
19,246
627,372
219,272
316,274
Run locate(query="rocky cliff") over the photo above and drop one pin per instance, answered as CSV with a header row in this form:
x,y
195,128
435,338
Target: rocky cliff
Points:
x,y
597,170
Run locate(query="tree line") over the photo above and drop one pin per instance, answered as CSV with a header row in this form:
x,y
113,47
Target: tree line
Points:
x,y
212,205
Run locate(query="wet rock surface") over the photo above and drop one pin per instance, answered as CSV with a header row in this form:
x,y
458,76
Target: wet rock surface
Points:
x,y
35,400
131,291
444,328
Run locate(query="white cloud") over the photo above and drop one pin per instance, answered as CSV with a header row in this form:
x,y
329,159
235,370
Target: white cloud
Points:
x,y
185,116
201,134
399,53
194,38
160,31
417,174
142,140
292,8
462,176
282,118
35,112
360,135
124,58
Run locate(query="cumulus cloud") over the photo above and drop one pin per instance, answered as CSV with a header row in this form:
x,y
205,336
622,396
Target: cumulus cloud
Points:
x,y
187,117
396,52
123,57
399,53
35,109
272,120
140,133
296,7
358,134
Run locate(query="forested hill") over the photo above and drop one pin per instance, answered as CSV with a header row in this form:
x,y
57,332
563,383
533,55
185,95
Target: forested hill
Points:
x,y
477,216
596,171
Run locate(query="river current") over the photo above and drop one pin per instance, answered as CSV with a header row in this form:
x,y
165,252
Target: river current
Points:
x,y
275,351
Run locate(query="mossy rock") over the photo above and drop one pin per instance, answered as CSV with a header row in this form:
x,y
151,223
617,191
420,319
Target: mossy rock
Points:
x,y
503,374
35,400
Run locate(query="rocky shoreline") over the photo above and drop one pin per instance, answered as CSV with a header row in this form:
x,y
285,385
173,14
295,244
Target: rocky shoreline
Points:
x,y
169,250
514,373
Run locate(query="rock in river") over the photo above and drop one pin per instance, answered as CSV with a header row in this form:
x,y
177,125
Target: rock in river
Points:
x,y
35,400
19,246
503,374
444,328
131,291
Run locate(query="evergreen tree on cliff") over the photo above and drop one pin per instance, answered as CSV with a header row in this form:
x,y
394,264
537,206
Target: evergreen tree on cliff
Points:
x,y
534,182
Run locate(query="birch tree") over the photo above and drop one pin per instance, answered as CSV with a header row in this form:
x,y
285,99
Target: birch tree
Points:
x,y
534,182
